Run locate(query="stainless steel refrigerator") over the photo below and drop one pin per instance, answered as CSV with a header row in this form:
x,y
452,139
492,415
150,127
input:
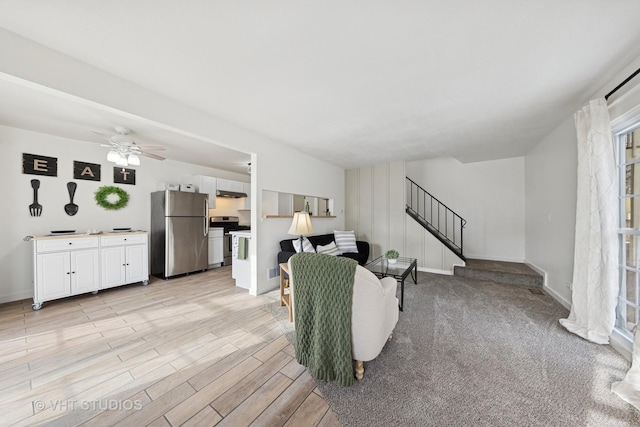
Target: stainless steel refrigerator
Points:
x,y
179,233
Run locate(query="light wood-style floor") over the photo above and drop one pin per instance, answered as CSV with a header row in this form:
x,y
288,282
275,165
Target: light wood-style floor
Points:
x,y
188,351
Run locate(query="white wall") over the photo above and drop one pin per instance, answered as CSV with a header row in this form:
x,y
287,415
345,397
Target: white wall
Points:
x,y
551,186
375,207
550,194
15,254
489,195
274,166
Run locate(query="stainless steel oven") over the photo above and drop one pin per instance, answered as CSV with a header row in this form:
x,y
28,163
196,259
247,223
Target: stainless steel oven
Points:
x,y
226,249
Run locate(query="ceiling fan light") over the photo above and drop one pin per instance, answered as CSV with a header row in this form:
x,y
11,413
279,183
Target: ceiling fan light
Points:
x,y
122,161
133,159
113,156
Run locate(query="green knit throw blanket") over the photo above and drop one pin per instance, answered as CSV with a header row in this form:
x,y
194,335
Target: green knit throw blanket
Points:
x,y
323,287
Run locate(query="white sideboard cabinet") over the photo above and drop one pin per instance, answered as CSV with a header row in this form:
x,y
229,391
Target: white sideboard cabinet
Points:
x,y
65,267
123,260
77,264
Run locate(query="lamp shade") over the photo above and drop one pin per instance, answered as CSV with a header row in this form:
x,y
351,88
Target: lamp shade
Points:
x,y
133,159
301,224
113,156
122,161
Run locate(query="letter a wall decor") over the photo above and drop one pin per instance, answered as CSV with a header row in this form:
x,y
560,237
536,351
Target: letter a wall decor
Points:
x,y
87,171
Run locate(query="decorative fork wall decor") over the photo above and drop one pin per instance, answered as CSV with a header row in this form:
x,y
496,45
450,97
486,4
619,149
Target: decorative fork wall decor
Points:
x,y
35,208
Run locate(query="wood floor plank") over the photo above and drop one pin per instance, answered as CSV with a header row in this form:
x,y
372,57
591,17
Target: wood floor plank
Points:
x,y
249,384
193,350
120,411
271,349
206,395
287,403
311,412
205,418
257,402
158,407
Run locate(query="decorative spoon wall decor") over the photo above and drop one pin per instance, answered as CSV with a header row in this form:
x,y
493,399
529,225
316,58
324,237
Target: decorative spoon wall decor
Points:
x,y
35,208
71,208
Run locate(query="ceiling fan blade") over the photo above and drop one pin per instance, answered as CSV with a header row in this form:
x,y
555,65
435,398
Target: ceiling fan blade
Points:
x,y
153,156
105,136
151,147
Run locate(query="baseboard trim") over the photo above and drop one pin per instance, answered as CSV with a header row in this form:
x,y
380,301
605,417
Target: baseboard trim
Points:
x,y
15,297
494,258
538,270
435,271
556,296
621,344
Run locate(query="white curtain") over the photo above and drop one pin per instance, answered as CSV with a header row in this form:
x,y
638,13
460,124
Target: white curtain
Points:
x,y
629,388
595,262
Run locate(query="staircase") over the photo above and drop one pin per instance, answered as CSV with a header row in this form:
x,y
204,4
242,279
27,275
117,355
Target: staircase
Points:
x,y
435,217
447,226
511,273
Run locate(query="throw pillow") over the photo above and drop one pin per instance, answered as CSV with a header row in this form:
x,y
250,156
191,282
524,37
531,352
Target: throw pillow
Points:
x,y
346,241
306,245
330,249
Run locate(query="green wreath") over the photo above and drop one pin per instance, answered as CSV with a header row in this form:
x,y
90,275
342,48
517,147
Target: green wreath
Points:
x,y
107,190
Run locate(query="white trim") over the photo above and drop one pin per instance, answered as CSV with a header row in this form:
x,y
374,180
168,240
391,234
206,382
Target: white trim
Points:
x,y
16,296
435,271
538,270
492,258
626,122
621,344
556,296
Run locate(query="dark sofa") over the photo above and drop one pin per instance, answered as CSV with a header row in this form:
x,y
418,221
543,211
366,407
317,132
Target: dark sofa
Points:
x,y
287,250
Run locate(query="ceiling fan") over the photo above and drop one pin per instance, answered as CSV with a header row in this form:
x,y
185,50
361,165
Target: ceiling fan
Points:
x,y
124,150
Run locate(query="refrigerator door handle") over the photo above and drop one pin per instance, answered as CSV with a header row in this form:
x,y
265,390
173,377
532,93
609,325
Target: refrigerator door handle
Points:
x,y
206,216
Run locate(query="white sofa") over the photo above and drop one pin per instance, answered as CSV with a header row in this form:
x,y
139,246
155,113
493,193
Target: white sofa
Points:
x,y
374,315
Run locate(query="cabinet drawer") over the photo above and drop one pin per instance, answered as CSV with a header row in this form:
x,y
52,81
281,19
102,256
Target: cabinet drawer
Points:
x,y
216,232
123,239
53,245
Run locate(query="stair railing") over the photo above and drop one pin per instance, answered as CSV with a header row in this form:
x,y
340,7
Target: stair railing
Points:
x,y
436,217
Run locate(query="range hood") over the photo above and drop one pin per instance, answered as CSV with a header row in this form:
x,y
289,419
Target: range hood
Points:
x,y
230,194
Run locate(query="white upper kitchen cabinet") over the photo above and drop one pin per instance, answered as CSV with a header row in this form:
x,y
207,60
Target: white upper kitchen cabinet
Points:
x,y
208,185
230,185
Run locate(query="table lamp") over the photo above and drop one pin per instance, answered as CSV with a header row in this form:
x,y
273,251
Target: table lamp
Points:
x,y
301,226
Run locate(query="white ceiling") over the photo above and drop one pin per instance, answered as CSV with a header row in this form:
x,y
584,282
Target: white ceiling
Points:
x,y
352,82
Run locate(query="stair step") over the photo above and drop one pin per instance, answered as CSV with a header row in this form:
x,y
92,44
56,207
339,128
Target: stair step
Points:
x,y
513,273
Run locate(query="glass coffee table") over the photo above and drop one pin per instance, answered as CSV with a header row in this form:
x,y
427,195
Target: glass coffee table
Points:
x,y
399,271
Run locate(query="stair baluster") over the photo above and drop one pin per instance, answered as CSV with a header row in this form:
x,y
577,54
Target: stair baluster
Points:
x,y
418,211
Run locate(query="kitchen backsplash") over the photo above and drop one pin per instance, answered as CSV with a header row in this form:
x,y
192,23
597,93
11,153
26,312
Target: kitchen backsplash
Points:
x,y
231,207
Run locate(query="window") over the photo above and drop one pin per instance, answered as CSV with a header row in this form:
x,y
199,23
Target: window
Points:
x,y
628,154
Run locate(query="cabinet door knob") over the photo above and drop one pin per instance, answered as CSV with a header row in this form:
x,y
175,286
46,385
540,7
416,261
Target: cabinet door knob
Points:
x,y
68,272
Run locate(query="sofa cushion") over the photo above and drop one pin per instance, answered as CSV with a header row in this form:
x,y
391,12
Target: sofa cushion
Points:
x,y
287,250
330,249
306,245
346,241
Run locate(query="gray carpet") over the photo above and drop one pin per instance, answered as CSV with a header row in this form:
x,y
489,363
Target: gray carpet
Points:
x,y
471,353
